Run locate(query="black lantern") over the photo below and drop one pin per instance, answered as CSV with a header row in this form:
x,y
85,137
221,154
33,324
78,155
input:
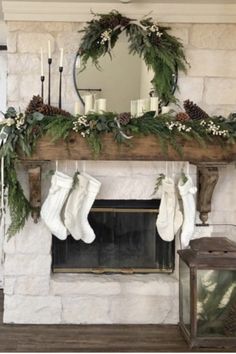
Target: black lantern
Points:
x,y
208,292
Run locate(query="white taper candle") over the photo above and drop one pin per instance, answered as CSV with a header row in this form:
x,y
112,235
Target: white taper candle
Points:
x,y
61,57
49,50
41,55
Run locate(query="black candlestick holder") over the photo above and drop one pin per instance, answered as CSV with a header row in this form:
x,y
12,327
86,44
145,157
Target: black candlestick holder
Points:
x,y
42,86
49,80
60,84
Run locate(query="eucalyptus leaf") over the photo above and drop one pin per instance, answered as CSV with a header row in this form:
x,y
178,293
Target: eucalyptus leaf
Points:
x,y
11,112
37,116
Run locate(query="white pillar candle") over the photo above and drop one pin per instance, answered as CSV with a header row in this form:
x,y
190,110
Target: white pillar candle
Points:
x,y
133,108
78,108
61,57
141,107
100,105
154,104
41,55
165,109
88,103
49,50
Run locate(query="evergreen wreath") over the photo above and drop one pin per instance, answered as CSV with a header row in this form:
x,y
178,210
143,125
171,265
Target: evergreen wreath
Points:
x,y
162,52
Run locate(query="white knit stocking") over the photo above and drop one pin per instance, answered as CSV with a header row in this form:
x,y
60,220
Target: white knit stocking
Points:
x,y
72,217
93,188
170,217
187,191
52,207
78,207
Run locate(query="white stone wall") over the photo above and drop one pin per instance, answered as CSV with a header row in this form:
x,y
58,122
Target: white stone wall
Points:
x,y
32,295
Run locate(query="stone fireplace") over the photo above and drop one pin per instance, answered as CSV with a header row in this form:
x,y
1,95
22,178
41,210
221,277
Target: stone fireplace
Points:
x,y
32,293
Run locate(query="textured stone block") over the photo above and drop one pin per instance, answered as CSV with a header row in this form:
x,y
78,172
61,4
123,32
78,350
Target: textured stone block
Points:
x,y
32,309
11,42
69,41
58,26
9,245
208,63
24,264
34,238
24,63
144,309
84,284
3,32
181,32
85,310
32,42
25,26
149,285
220,91
32,285
213,36
13,87
190,88
29,86
125,188
9,285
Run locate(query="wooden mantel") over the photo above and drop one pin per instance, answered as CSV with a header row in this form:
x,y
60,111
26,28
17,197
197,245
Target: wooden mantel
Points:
x,y
147,148
143,149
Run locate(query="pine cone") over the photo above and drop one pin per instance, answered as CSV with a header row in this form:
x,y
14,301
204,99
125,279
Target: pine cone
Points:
x,y
182,117
124,118
52,111
194,111
35,103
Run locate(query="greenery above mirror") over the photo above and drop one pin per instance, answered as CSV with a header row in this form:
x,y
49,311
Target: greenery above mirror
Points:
x,y
161,52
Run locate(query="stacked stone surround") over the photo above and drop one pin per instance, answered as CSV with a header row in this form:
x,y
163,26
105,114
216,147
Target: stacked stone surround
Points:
x,y
32,293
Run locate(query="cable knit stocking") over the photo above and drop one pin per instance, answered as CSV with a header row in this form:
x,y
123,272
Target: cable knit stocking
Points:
x,y
52,207
170,217
187,191
79,205
73,207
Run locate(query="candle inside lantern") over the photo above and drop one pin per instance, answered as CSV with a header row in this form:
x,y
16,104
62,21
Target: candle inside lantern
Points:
x,y
154,103
41,54
49,50
61,58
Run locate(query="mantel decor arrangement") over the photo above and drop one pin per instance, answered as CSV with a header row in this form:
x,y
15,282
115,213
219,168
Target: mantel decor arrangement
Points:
x,y
161,52
20,133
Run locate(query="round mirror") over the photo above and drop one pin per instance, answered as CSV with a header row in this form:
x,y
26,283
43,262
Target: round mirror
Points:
x,y
122,77
119,79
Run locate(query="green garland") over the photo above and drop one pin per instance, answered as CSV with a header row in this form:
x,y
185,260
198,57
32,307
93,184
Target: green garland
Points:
x,y
161,52
23,132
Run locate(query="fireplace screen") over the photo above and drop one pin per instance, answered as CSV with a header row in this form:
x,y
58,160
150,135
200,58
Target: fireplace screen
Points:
x,y
126,241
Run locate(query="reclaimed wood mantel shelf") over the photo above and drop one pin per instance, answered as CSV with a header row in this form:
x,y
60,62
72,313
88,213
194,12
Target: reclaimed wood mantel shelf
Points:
x,y
147,148
142,149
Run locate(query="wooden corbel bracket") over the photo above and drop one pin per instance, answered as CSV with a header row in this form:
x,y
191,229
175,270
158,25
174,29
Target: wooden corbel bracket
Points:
x,y
34,177
207,176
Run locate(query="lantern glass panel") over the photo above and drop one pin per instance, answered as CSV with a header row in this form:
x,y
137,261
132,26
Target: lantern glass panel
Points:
x,y
216,303
184,294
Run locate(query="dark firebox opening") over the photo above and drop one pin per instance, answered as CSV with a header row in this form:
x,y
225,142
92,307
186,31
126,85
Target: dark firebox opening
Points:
x,y
126,241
